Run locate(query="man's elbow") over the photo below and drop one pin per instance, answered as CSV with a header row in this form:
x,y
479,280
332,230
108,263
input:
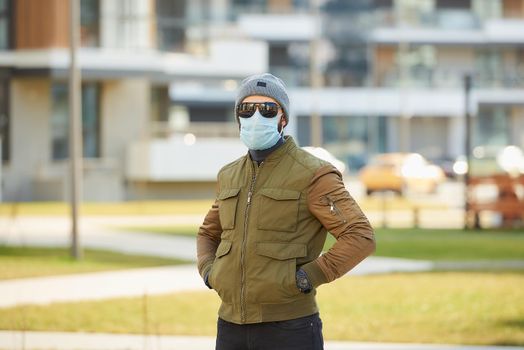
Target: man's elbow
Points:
x,y
371,243
364,237
372,246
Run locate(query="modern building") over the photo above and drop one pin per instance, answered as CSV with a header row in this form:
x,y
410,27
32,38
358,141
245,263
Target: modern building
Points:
x,y
130,55
393,72
159,79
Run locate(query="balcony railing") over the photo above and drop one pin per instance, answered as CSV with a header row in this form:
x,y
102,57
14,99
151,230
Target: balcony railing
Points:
x,y
441,19
197,129
452,78
258,9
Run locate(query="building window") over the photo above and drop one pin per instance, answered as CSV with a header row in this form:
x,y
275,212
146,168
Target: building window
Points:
x,y
491,127
159,108
352,139
90,121
490,69
59,121
171,31
486,10
90,23
210,113
5,24
348,138
239,7
349,66
249,6
4,119
454,4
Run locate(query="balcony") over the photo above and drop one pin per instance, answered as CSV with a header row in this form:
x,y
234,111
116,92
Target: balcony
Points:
x,y
197,129
452,78
277,27
51,181
394,102
505,31
117,63
182,157
449,28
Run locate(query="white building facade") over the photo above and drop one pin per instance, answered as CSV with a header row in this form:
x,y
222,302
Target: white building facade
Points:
x,y
159,80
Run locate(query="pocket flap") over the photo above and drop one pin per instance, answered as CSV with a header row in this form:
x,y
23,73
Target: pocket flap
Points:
x,y
228,193
223,248
280,194
281,251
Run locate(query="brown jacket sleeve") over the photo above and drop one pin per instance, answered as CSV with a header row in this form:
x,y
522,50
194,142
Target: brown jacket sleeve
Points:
x,y
338,212
208,239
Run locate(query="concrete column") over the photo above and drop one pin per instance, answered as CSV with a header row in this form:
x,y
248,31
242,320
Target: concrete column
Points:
x,y
124,116
393,134
457,135
31,105
516,126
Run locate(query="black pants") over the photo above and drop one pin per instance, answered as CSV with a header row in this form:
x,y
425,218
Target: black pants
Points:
x,y
303,333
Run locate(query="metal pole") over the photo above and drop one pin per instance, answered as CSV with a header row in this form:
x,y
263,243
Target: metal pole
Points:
x,y
75,134
1,164
467,146
405,116
315,76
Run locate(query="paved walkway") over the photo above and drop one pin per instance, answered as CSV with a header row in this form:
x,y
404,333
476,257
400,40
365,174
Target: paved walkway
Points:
x,y
102,341
169,279
137,282
96,233
100,285
100,233
157,280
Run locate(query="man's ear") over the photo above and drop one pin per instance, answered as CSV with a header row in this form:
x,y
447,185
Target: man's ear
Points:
x,y
283,121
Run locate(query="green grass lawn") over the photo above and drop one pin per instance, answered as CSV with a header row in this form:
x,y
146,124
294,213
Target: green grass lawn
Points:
x,y
440,307
20,262
179,207
428,244
178,230
441,244
167,207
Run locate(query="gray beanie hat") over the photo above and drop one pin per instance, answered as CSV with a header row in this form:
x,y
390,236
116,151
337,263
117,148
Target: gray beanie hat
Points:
x,y
266,85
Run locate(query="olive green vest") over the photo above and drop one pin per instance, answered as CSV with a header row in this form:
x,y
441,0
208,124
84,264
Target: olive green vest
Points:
x,y
268,232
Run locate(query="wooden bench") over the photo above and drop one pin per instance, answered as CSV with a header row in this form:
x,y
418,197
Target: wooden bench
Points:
x,y
507,202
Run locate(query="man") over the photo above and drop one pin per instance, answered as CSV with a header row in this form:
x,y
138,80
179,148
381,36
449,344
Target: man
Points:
x,y
260,242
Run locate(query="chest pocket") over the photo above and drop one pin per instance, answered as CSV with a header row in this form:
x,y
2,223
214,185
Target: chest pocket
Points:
x,y
227,207
278,209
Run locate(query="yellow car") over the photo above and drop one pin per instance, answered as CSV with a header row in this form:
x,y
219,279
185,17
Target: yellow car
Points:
x,y
400,172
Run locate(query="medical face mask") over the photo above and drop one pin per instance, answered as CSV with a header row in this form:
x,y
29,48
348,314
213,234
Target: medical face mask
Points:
x,y
258,132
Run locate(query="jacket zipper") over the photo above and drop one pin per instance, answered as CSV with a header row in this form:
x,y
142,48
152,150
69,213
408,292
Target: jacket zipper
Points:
x,y
242,251
333,209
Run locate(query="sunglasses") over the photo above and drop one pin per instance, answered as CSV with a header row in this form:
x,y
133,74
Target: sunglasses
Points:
x,y
267,109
